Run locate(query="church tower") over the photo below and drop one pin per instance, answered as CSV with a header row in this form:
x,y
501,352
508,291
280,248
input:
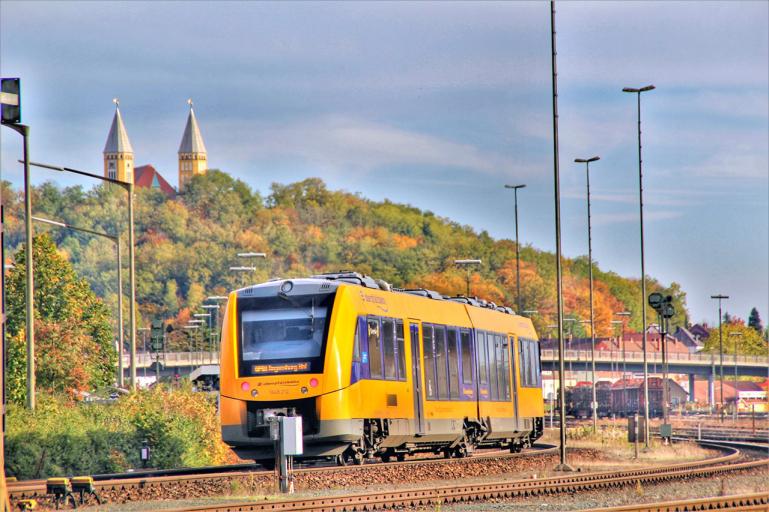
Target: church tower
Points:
x,y
118,153
192,152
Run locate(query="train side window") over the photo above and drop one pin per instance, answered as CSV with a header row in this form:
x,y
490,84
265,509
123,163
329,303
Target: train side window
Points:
x,y
401,349
493,383
505,367
467,357
440,362
530,366
480,345
427,348
356,344
388,348
453,363
374,348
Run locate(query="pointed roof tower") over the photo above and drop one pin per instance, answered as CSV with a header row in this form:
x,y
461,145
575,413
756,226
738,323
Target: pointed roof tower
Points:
x,y
192,141
117,140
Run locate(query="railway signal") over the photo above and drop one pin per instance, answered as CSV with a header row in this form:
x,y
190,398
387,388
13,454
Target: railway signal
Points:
x,y
10,97
663,305
156,336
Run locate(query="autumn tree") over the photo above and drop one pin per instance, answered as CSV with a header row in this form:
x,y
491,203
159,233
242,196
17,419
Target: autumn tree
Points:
x,y
74,340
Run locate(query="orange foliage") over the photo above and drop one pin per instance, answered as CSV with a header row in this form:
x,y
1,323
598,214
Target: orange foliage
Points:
x,y
404,242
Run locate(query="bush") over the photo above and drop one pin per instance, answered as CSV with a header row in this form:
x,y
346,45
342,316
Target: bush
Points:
x,y
65,438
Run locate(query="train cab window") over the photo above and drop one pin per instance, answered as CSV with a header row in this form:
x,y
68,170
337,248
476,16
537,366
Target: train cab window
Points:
x,y
388,348
492,353
467,357
374,348
440,362
356,345
401,349
453,364
431,387
483,367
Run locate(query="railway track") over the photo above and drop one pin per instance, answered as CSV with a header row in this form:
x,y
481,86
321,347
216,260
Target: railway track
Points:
x,y
448,494
157,480
754,501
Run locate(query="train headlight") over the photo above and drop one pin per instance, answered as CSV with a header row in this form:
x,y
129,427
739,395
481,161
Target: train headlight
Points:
x,y
254,392
313,382
245,386
304,390
287,287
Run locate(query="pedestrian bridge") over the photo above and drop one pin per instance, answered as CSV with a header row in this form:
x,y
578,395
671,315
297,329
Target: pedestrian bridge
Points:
x,y
575,360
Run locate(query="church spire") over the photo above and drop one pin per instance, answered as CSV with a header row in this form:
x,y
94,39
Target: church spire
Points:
x,y
118,152
192,151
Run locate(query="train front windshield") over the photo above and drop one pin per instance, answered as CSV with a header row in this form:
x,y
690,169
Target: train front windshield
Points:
x,y
283,334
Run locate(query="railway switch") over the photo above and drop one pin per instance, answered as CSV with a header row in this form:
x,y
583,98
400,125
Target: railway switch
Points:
x,y
83,485
61,490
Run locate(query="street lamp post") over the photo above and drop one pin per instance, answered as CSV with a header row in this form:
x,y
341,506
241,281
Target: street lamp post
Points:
x,y
129,188
643,266
216,307
517,249
467,264
590,264
116,240
719,297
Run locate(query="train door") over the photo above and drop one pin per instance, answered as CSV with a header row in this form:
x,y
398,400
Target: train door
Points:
x,y
514,367
416,376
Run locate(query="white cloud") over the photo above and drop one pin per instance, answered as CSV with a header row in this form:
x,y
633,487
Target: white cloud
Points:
x,y
342,144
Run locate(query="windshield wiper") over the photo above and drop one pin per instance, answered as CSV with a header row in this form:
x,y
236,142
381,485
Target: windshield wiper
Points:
x,y
294,303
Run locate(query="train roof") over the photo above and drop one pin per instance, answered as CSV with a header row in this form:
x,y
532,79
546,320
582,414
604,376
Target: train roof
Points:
x,y
334,279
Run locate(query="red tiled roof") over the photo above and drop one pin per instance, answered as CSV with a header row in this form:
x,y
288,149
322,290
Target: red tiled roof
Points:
x,y
146,176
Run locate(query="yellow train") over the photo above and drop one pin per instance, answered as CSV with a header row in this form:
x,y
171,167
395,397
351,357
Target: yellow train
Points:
x,y
376,371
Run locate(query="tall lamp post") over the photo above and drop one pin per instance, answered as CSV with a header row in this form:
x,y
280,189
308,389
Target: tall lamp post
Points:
x,y
128,186
468,264
719,297
517,249
638,92
587,161
562,465
206,317
116,240
216,307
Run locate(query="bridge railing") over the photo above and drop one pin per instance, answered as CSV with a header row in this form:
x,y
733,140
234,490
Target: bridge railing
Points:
x,y
653,357
146,359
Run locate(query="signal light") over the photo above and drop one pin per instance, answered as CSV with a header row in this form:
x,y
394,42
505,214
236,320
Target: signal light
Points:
x,y
11,100
313,382
245,386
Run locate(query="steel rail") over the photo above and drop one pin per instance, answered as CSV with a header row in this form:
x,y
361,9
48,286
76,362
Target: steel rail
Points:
x,y
754,501
31,488
431,496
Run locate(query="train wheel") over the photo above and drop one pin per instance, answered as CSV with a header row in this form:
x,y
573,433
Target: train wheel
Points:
x,y
341,460
358,459
401,457
447,453
385,457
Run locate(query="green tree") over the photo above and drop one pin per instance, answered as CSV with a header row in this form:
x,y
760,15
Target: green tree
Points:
x,y
754,321
74,349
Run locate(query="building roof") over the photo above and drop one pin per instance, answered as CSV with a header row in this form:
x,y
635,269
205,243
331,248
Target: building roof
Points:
x,y
117,140
146,176
192,141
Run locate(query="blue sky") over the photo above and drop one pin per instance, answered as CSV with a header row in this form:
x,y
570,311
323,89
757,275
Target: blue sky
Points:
x,y
437,105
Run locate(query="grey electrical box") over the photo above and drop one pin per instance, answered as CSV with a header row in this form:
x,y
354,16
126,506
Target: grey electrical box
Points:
x,y
291,435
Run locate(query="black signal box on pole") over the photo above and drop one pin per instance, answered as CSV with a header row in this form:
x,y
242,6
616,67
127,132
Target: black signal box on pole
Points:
x,y
11,100
156,336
